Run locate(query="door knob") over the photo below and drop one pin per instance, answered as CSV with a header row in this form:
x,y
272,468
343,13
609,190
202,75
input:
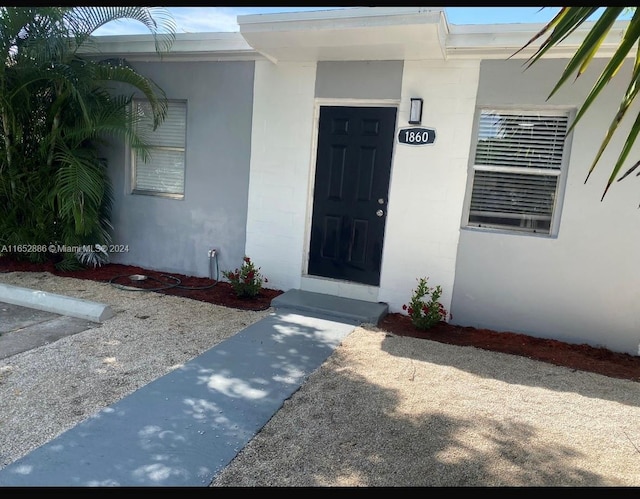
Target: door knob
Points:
x,y
379,213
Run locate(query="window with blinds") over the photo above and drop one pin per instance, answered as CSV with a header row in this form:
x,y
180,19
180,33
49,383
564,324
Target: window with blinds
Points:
x,y
519,159
163,172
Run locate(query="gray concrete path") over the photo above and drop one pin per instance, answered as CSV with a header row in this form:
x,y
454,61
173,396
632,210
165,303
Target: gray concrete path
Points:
x,y
185,427
24,328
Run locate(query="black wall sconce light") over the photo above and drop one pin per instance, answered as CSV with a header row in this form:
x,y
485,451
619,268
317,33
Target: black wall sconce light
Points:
x,y
415,112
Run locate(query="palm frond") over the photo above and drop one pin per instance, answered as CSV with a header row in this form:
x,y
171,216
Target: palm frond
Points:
x,y
83,21
56,108
627,100
629,40
79,187
122,73
558,29
69,263
565,22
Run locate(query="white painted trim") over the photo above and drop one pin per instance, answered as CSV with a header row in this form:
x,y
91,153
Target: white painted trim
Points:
x,y
339,18
543,109
491,41
496,41
187,47
327,101
371,33
197,57
318,103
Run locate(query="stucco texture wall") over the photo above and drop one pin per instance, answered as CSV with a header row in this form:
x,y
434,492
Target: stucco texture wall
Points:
x,y
428,182
174,235
283,158
581,286
280,156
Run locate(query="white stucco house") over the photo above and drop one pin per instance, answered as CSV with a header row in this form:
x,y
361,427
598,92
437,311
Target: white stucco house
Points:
x,y
291,141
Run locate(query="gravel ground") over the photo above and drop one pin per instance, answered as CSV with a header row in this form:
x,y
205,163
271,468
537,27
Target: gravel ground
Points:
x,y
383,410
386,410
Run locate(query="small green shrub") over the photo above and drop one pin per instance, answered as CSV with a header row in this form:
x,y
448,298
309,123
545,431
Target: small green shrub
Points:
x,y
425,308
247,280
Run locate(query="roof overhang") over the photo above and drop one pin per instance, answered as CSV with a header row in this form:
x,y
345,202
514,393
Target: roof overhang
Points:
x,y
501,41
355,34
371,33
186,47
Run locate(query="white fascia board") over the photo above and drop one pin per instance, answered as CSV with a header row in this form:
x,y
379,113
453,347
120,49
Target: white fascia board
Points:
x,y
336,18
494,41
350,34
186,47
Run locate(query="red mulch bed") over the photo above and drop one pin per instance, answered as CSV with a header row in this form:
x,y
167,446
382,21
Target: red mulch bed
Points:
x,y
579,357
207,290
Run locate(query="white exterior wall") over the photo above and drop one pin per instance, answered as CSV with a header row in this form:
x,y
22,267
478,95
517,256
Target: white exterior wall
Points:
x,y
428,182
582,286
279,178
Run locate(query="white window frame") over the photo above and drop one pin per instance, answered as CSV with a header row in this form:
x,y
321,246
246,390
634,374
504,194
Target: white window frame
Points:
x,y
175,105
560,172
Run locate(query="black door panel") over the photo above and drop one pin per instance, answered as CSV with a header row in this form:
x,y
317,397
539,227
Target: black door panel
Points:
x,y
353,166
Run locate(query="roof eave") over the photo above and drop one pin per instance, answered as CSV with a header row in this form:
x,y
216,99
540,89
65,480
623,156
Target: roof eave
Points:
x,y
378,33
186,47
507,40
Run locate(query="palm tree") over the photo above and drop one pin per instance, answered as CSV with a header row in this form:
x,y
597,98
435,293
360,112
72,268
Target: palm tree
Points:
x,y
57,107
565,22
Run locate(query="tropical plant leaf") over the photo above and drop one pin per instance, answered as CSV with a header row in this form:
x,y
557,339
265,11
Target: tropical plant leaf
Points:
x,y
567,21
122,73
83,21
69,263
629,40
57,107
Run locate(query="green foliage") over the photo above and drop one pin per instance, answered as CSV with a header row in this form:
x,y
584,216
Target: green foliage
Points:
x,y
565,22
57,109
247,280
425,308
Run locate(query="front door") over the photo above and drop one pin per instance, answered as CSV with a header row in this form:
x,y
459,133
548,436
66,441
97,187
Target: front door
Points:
x,y
353,167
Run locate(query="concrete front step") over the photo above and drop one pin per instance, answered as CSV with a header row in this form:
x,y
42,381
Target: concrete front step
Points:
x,y
334,307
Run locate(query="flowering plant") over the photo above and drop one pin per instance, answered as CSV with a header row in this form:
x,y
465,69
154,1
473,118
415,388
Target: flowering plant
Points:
x,y
247,280
425,313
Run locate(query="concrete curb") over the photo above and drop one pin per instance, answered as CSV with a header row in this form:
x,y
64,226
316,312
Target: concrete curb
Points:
x,y
59,304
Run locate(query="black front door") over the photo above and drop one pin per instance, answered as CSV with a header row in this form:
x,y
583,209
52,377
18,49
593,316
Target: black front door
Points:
x,y
353,166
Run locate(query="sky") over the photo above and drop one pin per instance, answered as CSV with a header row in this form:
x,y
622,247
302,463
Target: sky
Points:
x,y
217,19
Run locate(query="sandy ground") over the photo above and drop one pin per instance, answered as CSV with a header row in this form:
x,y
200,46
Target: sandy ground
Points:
x,y
383,410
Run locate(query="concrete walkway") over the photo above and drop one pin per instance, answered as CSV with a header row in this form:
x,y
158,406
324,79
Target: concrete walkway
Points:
x,y
24,328
185,427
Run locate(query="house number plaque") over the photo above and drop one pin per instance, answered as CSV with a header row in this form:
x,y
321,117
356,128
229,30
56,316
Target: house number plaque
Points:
x,y
417,136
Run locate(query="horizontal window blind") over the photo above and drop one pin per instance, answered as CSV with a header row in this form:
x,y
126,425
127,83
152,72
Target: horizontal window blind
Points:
x,y
164,171
525,140
517,164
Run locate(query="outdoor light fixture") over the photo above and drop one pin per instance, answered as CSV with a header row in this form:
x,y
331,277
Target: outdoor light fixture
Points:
x,y
415,113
